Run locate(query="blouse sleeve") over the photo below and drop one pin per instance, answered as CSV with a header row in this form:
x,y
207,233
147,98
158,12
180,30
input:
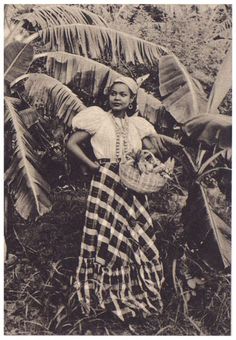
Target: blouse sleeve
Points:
x,y
89,119
143,126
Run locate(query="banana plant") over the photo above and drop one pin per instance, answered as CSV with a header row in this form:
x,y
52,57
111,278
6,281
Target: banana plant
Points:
x,y
100,42
207,234
30,192
25,183
76,47
42,16
213,128
88,77
30,189
219,26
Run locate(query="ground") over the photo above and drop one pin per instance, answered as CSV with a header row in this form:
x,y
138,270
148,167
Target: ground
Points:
x,y
39,294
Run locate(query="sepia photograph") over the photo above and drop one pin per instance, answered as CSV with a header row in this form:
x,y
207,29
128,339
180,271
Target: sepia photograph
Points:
x,y
117,169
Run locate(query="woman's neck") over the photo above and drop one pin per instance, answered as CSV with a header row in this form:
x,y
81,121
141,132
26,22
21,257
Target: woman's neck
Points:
x,y
120,114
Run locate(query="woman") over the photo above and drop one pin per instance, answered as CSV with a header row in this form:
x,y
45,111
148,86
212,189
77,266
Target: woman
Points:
x,y
119,268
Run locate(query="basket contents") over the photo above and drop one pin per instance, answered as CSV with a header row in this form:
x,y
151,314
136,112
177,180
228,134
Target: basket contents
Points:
x,y
146,162
143,172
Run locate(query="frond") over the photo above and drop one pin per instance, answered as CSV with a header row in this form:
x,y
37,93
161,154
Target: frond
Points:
x,y
52,15
17,59
30,191
221,30
222,84
185,100
48,94
29,116
219,25
93,79
97,42
183,95
212,129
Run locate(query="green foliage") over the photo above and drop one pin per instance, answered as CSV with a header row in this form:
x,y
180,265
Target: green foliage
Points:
x,y
92,79
210,129
43,16
26,183
99,42
42,91
17,58
183,30
206,233
183,95
222,84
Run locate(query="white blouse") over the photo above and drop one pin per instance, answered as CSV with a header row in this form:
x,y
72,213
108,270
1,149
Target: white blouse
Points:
x,y
101,126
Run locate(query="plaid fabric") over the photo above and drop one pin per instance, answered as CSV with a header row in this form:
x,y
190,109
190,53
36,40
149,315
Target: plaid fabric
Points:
x,y
119,268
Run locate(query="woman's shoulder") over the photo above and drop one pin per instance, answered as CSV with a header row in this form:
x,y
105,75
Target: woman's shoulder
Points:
x,y
139,121
136,118
92,112
89,119
143,126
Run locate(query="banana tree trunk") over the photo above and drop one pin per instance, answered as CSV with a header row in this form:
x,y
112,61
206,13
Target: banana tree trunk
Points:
x,y
8,212
207,234
5,225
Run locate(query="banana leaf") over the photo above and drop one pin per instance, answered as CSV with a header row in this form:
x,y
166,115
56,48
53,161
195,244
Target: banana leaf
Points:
x,y
29,189
211,129
48,94
94,79
207,234
182,95
222,84
165,147
29,116
17,59
99,42
51,15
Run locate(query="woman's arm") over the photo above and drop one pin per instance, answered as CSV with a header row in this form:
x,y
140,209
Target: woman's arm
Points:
x,y
147,144
73,145
161,146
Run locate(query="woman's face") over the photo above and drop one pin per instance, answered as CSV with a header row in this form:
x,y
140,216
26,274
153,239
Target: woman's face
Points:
x,y
120,97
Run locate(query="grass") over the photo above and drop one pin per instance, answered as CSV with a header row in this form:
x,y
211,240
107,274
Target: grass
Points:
x,y
39,294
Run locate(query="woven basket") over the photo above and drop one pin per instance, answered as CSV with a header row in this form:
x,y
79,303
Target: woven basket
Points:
x,y
140,182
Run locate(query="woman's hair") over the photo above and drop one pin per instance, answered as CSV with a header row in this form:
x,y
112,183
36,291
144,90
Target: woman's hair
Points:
x,y
129,111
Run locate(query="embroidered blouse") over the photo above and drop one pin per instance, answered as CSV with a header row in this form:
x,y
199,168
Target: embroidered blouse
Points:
x,y
101,125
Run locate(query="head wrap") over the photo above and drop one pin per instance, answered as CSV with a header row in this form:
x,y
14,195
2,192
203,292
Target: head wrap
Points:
x,y
131,83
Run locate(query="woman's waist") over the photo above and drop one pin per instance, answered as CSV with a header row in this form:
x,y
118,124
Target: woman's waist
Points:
x,y
109,160
112,155
113,149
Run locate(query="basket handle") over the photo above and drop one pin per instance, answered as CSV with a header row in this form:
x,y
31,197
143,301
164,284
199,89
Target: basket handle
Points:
x,y
149,153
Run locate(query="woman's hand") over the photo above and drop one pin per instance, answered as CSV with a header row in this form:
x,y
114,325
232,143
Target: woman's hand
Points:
x,y
162,146
94,167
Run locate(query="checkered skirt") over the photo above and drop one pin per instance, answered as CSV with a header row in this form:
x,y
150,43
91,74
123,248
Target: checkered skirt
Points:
x,y
119,268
